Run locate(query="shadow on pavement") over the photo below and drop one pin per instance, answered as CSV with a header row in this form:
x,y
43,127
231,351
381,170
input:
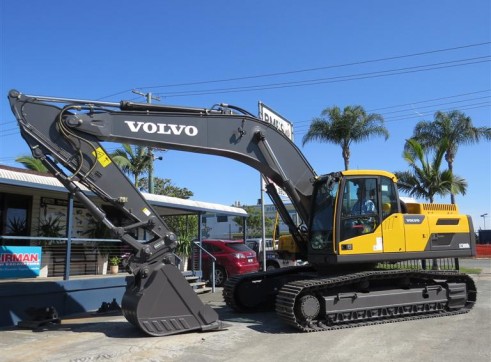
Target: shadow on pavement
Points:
x,y
114,325
263,322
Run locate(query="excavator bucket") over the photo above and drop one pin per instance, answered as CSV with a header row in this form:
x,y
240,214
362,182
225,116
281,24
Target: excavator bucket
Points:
x,y
164,303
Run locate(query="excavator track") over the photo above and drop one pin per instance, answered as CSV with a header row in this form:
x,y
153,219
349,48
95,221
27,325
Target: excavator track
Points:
x,y
304,303
311,303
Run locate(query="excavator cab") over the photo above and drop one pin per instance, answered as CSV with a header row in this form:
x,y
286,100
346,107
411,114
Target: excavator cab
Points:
x,y
357,217
359,202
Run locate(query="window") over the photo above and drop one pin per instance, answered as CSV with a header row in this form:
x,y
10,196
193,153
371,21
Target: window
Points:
x,y
15,215
222,218
360,207
322,219
211,248
119,218
238,247
389,197
360,197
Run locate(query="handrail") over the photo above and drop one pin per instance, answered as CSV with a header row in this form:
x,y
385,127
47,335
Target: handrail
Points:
x,y
198,244
43,238
50,238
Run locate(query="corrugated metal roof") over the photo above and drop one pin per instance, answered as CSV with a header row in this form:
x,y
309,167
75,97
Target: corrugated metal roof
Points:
x,y
25,179
166,205
191,205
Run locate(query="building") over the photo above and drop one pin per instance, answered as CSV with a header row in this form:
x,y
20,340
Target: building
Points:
x,y
224,227
26,199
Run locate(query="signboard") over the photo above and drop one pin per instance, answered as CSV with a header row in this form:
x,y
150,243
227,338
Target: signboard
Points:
x,y
268,115
20,261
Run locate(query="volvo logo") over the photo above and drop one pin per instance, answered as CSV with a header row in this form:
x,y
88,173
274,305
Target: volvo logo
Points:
x,y
162,128
413,219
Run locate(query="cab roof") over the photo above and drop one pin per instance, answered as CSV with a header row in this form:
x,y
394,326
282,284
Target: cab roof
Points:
x,y
369,173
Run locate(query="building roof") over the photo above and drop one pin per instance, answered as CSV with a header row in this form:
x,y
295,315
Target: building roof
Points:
x,y
166,205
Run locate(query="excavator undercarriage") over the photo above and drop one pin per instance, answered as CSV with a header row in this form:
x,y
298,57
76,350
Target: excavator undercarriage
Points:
x,y
311,302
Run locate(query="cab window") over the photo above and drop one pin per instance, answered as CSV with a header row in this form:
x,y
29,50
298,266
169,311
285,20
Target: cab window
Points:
x,y
389,197
360,207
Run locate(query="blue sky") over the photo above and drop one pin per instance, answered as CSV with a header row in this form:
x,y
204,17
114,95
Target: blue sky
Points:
x,y
404,60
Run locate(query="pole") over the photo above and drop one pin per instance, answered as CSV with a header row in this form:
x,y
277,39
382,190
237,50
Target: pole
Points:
x,y
263,226
68,252
149,98
484,220
263,221
151,187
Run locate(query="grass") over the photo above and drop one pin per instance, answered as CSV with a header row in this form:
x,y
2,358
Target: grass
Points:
x,y
416,266
470,270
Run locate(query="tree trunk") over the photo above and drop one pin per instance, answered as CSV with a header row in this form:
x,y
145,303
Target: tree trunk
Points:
x,y
452,196
449,157
346,155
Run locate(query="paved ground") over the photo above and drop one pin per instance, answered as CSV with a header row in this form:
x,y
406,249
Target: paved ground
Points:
x,y
260,337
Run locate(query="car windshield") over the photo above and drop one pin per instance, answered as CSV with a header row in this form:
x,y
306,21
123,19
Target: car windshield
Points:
x,y
238,247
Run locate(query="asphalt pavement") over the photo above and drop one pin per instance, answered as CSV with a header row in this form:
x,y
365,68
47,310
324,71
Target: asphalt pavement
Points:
x,y
262,337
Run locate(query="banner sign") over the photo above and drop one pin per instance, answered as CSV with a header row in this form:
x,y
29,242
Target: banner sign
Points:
x,y
20,261
268,115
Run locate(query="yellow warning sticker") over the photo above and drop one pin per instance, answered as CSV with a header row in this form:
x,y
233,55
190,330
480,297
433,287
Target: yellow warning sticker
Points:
x,y
146,211
102,157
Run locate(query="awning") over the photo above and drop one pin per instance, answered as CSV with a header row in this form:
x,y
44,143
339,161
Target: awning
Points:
x,y
165,205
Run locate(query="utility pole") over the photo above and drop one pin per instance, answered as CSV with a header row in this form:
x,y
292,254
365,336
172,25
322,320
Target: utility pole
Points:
x,y
484,219
149,98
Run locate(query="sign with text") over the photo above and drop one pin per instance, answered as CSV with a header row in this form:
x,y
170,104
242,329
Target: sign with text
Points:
x,y
20,261
268,115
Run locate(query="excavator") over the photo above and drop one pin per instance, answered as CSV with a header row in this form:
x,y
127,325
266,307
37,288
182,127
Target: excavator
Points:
x,y
343,242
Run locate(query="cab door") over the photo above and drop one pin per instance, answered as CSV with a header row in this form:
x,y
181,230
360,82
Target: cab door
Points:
x,y
392,220
359,224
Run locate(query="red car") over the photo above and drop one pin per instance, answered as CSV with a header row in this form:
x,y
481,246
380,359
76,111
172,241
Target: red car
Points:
x,y
232,257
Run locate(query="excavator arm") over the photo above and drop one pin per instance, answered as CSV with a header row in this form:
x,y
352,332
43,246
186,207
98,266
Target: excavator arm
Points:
x,y
71,135
66,135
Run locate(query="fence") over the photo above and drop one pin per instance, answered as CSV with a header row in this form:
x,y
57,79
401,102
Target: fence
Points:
x,y
423,264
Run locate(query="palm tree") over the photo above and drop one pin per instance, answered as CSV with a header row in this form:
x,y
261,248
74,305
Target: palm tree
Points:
x,y
353,124
456,128
132,161
32,163
427,180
